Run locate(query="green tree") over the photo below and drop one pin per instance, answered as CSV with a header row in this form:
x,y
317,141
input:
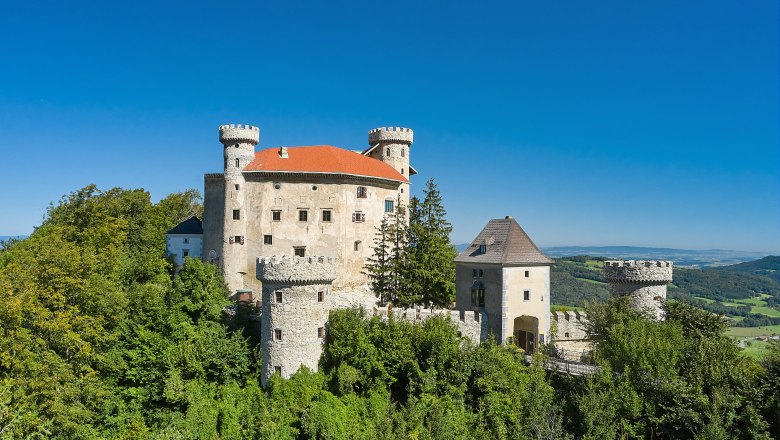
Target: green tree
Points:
x,y
430,270
387,267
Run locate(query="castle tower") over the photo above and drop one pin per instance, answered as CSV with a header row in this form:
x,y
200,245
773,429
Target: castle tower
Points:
x,y
644,282
239,149
295,311
392,145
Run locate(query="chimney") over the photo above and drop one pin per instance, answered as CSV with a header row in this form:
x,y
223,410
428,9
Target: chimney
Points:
x,y
283,152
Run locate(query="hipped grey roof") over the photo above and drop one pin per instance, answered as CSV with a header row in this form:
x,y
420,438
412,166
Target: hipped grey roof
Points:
x,y
191,226
506,243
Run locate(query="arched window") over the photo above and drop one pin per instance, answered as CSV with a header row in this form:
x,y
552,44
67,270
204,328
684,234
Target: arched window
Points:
x,y
237,163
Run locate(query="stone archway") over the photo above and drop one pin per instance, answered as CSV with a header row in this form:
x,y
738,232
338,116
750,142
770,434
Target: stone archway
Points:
x,y
526,332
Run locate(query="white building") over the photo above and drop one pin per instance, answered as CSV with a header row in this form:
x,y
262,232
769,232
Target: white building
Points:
x,y
185,240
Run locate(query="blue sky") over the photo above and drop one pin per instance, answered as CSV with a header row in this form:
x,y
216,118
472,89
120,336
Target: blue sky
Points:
x,y
592,123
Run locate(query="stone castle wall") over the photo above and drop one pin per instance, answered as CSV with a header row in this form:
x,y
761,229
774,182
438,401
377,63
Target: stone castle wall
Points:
x,y
643,282
470,324
294,312
570,338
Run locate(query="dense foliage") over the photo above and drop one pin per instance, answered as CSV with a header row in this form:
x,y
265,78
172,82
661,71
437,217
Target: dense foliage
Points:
x,y
413,265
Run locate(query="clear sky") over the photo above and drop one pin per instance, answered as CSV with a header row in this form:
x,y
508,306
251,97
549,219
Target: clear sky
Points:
x,y
592,123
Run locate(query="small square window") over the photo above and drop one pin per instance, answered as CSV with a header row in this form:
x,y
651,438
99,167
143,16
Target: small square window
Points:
x,y
361,192
320,332
303,215
278,334
186,241
278,370
239,239
276,216
566,335
526,295
389,205
185,253
299,251
236,214
237,186
320,296
527,273
279,297
268,239
326,215
358,217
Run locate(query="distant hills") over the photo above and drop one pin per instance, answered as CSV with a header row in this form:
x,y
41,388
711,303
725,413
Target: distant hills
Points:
x,y
681,257
767,266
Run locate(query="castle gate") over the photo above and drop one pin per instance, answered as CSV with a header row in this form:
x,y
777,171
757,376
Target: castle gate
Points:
x,y
526,332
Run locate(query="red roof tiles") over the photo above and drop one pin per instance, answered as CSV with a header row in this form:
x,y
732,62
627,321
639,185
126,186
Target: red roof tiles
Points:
x,y
322,159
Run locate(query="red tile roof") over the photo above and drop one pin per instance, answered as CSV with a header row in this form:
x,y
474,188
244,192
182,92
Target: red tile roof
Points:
x,y
322,159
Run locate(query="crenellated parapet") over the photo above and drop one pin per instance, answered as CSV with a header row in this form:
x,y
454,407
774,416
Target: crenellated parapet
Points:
x,y
391,135
638,271
472,324
297,270
239,134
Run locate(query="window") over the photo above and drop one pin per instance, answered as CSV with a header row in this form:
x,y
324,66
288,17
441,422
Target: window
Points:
x,y
186,241
278,370
474,273
320,332
320,296
314,188
277,185
299,251
482,248
527,273
238,164
303,215
358,217
185,253
236,214
566,335
276,216
326,215
237,186
389,206
357,246
402,171
361,192
268,239
481,273
478,297
526,295
277,334
279,297
237,239
403,152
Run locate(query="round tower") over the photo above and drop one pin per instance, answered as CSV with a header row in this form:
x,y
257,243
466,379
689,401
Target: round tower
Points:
x,y
392,145
239,149
644,282
295,311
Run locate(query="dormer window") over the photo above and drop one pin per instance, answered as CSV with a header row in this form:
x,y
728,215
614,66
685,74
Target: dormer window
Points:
x,y
482,248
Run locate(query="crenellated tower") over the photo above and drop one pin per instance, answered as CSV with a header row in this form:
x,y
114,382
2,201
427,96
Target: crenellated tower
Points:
x,y
392,145
295,311
239,150
644,282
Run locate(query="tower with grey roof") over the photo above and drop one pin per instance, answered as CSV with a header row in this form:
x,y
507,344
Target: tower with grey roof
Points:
x,y
504,274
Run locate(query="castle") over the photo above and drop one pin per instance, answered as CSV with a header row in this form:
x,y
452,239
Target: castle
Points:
x,y
291,228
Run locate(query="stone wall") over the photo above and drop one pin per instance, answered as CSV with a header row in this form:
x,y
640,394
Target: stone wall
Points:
x,y
570,338
643,282
470,324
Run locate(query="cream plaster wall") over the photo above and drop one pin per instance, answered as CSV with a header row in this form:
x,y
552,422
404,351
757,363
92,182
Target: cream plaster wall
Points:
x,y
538,305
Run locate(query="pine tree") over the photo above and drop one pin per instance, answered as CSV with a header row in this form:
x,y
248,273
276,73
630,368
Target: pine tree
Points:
x,y
387,267
430,266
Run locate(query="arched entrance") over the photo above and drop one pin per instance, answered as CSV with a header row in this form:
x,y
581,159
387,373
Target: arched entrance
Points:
x,y
526,332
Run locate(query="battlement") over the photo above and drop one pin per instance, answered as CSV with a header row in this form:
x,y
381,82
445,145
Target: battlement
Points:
x,y
391,134
237,133
572,316
296,270
638,271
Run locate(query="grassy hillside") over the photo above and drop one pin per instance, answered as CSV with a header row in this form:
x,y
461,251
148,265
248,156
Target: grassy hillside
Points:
x,y
767,266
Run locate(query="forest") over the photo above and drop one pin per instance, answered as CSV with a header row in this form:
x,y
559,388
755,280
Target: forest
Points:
x,y
100,340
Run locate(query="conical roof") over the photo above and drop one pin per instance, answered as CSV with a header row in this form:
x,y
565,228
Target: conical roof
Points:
x,y
505,243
